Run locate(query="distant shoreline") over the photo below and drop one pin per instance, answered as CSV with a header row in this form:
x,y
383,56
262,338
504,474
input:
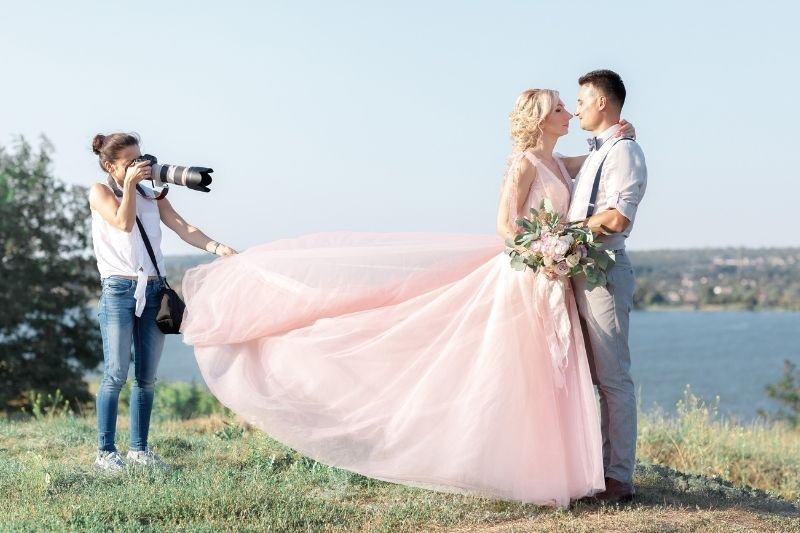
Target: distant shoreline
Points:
x,y
701,280
713,309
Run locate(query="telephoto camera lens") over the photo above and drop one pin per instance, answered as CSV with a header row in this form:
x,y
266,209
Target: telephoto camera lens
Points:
x,y
195,178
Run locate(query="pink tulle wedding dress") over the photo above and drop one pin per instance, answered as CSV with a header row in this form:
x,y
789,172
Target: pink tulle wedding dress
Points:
x,y
421,359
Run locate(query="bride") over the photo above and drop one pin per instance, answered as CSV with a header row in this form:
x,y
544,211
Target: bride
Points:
x,y
421,359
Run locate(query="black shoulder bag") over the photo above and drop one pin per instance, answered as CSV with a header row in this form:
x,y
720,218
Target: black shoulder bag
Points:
x,y
170,307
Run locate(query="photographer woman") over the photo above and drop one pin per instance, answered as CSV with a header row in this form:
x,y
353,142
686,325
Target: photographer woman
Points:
x,y
128,304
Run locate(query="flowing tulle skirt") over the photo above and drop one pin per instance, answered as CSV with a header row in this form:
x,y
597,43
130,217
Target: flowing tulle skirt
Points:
x,y
416,359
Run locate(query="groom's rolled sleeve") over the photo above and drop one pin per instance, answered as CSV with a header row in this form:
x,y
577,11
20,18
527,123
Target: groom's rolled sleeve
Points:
x,y
626,179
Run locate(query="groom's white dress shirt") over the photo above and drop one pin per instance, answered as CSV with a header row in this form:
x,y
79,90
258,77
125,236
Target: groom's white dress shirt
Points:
x,y
622,183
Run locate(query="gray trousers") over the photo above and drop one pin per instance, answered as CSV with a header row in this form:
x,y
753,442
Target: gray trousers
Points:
x,y
605,319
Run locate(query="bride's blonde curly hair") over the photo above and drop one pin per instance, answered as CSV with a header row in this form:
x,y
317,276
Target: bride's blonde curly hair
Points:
x,y
530,110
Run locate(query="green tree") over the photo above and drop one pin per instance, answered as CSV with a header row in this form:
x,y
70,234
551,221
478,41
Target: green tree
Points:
x,y
48,335
787,393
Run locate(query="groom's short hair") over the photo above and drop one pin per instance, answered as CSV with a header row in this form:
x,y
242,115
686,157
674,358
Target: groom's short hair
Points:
x,y
607,82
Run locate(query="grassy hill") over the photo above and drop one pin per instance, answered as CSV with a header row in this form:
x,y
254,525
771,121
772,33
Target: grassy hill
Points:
x,y
696,473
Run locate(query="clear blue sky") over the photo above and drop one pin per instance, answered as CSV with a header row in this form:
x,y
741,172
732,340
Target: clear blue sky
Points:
x,y
322,116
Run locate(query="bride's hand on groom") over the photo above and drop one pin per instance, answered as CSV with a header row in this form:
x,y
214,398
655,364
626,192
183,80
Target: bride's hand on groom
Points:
x,y
627,129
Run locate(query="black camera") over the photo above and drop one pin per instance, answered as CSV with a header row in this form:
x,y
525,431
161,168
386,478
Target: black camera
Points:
x,y
195,178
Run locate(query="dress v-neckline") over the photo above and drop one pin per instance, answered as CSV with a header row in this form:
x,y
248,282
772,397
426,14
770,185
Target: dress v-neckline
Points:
x,y
563,180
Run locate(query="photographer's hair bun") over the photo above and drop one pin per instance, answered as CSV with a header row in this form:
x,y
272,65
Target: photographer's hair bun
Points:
x,y
108,147
97,143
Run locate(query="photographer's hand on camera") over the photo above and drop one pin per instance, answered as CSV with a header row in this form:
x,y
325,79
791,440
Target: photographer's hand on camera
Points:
x,y
137,173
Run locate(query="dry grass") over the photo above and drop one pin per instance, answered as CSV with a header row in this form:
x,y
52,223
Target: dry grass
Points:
x,y
761,455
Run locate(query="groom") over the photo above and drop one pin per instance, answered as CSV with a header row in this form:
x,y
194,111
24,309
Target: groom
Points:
x,y
607,192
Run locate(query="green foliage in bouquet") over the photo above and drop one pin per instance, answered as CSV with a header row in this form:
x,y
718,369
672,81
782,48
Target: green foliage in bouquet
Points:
x,y
546,244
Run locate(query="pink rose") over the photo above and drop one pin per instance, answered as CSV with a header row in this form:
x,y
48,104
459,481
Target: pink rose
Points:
x,y
562,269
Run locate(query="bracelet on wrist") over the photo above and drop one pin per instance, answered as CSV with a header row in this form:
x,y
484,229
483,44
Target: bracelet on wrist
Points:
x,y
214,251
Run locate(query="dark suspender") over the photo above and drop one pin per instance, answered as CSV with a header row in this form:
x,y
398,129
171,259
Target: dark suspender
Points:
x,y
596,184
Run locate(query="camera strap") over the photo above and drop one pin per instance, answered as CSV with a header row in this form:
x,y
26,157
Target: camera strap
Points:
x,y
162,193
150,251
118,192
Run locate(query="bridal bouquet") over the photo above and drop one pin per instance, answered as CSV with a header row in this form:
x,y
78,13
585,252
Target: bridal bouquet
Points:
x,y
558,249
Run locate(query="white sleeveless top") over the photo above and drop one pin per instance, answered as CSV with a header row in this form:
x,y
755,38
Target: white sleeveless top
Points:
x,y
123,254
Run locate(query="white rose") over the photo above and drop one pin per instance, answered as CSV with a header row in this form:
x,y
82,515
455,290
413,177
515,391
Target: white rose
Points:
x,y
573,259
563,244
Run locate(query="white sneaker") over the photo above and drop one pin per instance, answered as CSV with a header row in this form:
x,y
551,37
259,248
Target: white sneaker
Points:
x,y
109,462
147,458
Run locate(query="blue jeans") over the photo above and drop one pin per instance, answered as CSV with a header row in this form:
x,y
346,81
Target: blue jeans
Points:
x,y
120,328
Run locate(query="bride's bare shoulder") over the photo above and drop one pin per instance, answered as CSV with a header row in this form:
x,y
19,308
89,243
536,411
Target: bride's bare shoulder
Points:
x,y
527,168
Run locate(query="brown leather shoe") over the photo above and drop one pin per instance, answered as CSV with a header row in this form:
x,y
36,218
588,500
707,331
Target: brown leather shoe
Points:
x,y
616,492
